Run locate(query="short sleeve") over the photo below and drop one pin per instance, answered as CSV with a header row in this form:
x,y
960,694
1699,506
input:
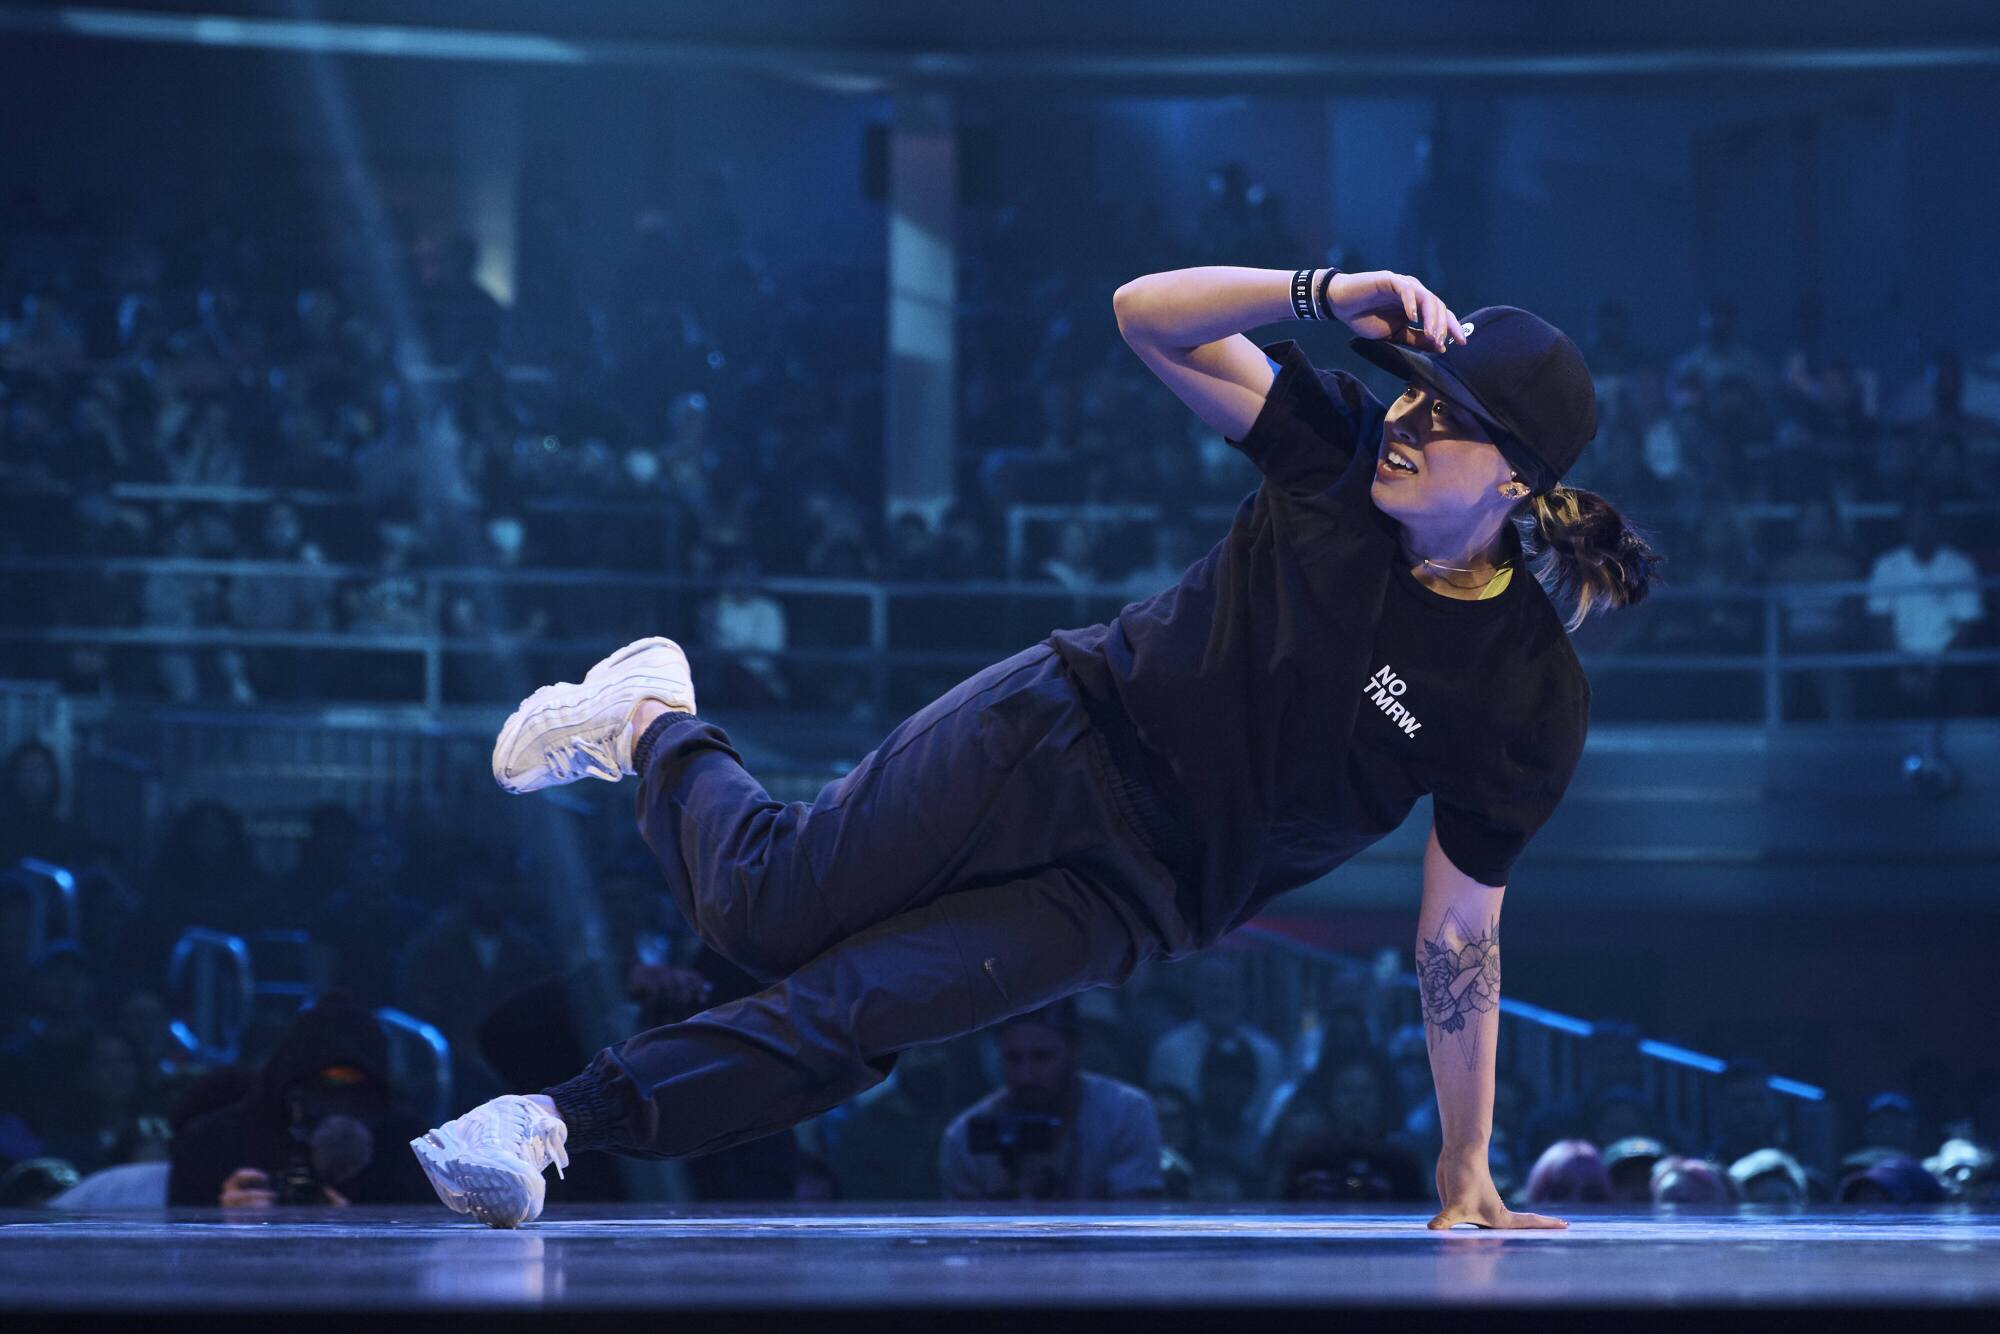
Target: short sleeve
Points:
x,y
1306,432
1134,1169
1485,825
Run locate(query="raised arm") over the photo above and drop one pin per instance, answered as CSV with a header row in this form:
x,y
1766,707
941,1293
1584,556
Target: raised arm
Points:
x,y
1458,973
1186,324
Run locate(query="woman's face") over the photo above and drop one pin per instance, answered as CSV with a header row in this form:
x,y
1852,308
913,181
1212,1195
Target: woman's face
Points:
x,y
1458,469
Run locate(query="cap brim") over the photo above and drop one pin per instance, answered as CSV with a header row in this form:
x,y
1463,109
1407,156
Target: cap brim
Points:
x,y
1411,364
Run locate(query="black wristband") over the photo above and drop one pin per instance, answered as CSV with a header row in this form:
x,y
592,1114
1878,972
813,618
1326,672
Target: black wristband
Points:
x,y
1325,306
1302,295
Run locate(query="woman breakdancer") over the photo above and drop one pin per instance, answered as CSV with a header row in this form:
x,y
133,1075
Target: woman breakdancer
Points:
x,y
1360,637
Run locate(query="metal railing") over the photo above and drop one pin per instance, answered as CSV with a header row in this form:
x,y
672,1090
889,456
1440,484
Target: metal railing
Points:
x,y
214,989
1540,1047
1018,610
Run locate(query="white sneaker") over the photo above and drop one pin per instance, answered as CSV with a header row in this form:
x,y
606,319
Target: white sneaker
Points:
x,y
489,1162
564,732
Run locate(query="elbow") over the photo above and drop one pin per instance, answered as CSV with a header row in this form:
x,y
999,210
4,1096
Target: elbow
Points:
x,y
1126,308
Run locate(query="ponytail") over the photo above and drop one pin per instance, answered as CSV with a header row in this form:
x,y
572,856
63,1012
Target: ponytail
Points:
x,y
1585,554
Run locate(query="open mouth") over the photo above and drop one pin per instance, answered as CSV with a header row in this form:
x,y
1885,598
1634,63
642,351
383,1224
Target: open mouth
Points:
x,y
1396,460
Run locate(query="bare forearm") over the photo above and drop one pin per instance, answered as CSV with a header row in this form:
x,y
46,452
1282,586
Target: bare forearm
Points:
x,y
1189,307
1458,968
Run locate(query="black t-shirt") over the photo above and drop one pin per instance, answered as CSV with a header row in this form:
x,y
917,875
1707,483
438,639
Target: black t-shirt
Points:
x,y
1299,689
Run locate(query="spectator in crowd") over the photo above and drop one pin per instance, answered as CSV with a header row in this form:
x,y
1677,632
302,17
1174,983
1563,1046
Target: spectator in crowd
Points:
x,y
1628,1167
468,959
113,1121
1889,1126
1074,564
1926,594
1719,357
1682,1180
966,547
1820,622
1341,1029
1227,1106
283,604
362,925
45,1067
1179,1054
1105,1141
1943,412
391,601
1967,1171
1569,1171
1769,1176
172,600
1348,1109
206,875
319,1123
888,1141
30,801
748,625
1326,1170
1833,423
35,1182
1679,448
1892,1180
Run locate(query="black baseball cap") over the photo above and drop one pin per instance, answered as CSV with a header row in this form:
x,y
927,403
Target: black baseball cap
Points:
x,y
1522,377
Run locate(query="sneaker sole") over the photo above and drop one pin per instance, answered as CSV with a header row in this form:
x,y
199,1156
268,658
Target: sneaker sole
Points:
x,y
577,710
494,1196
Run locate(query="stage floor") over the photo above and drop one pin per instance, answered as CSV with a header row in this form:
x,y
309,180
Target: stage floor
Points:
x,y
716,1265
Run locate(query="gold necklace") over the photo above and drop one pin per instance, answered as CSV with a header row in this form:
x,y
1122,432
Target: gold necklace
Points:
x,y
1463,569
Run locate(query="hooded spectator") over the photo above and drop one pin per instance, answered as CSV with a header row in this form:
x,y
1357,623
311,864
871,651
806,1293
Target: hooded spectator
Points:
x,y
280,1142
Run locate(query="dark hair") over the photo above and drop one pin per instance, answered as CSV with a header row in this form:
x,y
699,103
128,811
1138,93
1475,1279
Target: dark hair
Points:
x,y
1586,555
1059,1015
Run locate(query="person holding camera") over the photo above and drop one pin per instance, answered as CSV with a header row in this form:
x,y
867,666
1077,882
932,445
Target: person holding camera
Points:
x,y
1052,1132
1385,619
316,1125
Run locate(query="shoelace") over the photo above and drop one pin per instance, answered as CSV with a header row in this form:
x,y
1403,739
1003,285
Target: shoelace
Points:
x,y
582,755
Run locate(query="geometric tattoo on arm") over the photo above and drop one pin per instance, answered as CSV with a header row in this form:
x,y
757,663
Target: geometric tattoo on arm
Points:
x,y
1459,976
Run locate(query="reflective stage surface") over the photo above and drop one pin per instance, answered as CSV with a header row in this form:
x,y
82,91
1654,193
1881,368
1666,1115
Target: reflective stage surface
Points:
x,y
714,1260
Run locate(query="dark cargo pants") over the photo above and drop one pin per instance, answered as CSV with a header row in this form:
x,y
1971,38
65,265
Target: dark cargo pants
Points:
x,y
984,860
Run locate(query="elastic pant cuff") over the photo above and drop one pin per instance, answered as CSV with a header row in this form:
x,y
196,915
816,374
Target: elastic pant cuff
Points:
x,y
642,750
587,1109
